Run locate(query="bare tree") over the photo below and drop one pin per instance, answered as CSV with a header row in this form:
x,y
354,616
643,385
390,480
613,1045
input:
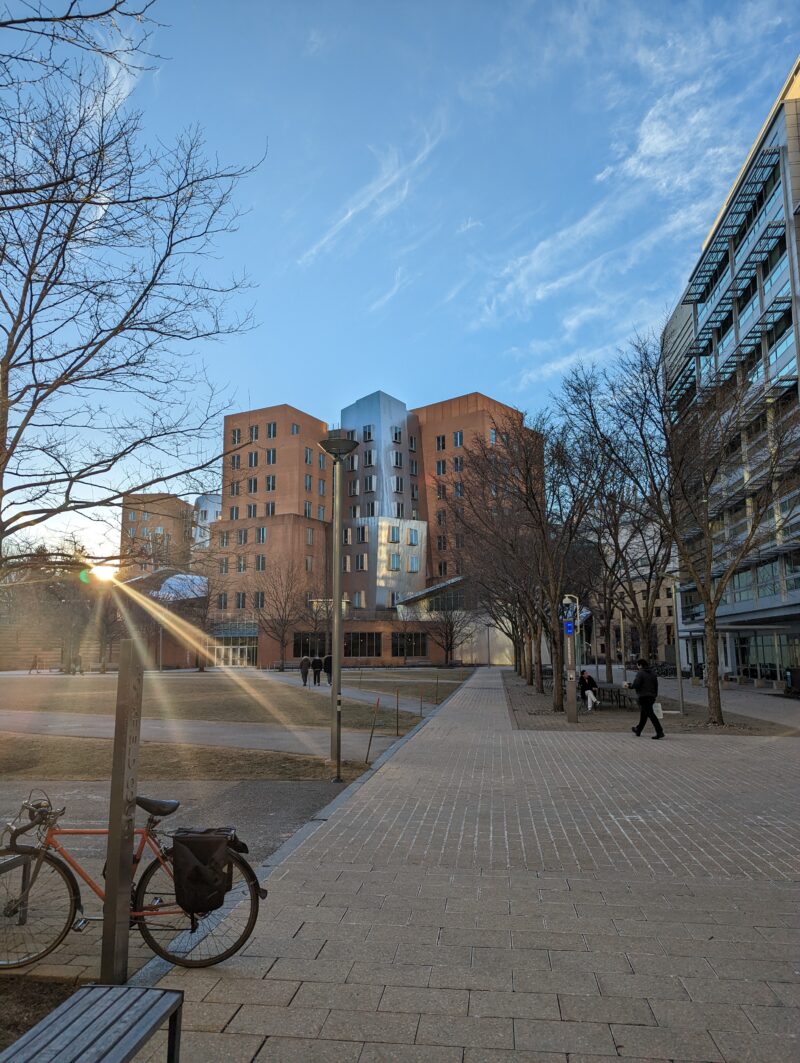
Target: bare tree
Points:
x,y
448,622
279,602
98,291
719,472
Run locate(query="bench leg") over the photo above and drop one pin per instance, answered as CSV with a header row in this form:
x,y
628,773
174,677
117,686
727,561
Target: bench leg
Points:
x,y
174,1037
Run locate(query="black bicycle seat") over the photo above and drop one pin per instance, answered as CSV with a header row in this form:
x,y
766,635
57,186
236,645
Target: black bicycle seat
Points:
x,y
156,807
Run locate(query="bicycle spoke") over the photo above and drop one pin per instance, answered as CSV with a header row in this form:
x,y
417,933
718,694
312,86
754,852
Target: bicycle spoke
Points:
x,y
36,909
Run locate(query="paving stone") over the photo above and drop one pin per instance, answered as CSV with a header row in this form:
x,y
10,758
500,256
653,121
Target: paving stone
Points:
x,y
682,1015
477,938
304,948
404,974
608,962
252,991
547,939
758,970
774,1020
659,1042
670,987
581,983
434,955
605,1009
464,1031
341,997
366,952
197,1015
409,1054
513,1005
491,1055
646,963
282,1022
787,992
305,1050
471,978
425,1001
203,1047
757,1047
370,1026
563,1036
733,991
310,970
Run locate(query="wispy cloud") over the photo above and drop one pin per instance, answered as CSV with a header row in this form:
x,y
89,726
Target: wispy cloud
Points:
x,y
317,41
387,191
467,225
401,280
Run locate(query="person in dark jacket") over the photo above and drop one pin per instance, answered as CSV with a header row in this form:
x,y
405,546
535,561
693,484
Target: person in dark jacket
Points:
x,y
588,688
316,668
305,664
327,667
645,684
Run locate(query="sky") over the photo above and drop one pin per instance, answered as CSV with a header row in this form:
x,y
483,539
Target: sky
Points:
x,y
461,196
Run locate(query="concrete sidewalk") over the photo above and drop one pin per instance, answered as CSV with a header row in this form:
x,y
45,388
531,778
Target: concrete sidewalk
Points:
x,y
491,895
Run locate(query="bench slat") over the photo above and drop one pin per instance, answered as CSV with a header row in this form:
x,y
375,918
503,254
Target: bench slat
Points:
x,y
123,1039
79,1036
37,1038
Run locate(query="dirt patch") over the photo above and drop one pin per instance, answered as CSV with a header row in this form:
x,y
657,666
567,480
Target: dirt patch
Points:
x,y
48,757
532,711
26,1001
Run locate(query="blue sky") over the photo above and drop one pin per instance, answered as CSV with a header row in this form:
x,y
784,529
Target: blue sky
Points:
x,y
465,195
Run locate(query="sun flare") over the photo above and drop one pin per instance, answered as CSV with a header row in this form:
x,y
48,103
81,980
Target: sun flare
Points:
x,y
105,573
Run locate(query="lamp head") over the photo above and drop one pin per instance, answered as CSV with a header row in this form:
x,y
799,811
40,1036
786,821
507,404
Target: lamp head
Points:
x,y
337,445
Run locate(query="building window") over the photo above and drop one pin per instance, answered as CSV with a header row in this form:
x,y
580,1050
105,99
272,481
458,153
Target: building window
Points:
x,y
369,484
368,433
442,568
236,436
458,464
441,442
234,512
347,536
308,456
351,463
459,541
236,461
397,459
253,433
458,439
321,460
309,564
346,562
413,536
222,600
358,599
269,509
413,467
398,484
295,429
321,487
241,599
413,563
320,513
241,536
252,485
234,488
492,436
441,542
351,434
352,488
223,566
224,538
309,482
409,644
371,509
251,509
394,562
414,492
369,459
362,644
394,533
258,599
441,517
261,562
241,563
307,510
269,482
261,535
441,490
399,510
361,562
252,459
412,443
458,489
270,456
355,512
397,434
362,533
309,536
272,430
441,467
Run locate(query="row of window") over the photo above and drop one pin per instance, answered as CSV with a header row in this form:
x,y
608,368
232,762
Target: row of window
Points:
x,y
353,462
270,485
271,430
361,644
271,458
371,483
368,435
458,441
251,510
441,465
373,509
360,563
392,535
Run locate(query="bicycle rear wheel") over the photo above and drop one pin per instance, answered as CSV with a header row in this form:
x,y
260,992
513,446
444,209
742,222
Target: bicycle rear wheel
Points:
x,y
205,939
35,913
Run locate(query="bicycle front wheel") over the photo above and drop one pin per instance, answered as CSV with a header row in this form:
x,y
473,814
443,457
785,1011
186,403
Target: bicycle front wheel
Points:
x,y
200,940
37,909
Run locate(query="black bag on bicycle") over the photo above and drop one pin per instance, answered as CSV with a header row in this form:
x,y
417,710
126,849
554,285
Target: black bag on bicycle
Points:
x,y
202,867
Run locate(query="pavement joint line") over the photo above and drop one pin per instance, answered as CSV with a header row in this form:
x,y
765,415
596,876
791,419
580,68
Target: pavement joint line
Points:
x,y
157,968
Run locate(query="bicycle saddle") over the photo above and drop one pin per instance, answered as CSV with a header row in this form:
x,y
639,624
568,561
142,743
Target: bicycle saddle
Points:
x,y
156,807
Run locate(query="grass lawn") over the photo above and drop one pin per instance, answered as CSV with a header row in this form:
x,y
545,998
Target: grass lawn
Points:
x,y
37,757
433,685
240,697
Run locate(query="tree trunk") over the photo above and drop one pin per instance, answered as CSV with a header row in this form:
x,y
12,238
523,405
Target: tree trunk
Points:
x,y
528,659
607,631
712,671
537,657
557,657
644,640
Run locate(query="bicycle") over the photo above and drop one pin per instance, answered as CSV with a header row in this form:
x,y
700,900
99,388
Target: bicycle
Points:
x,y
40,898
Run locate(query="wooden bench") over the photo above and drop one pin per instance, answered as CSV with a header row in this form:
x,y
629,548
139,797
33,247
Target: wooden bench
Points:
x,y
101,1024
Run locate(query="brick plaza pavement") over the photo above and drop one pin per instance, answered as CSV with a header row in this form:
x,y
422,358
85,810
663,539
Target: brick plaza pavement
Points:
x,y
493,895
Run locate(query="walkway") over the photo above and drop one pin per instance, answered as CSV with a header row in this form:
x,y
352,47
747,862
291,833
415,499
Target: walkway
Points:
x,y
492,895
312,741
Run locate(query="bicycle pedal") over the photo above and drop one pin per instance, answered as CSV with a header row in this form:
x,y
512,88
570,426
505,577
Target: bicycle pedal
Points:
x,y
80,924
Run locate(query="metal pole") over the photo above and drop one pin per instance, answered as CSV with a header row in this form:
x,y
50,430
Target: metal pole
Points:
x,y
679,676
160,648
336,648
622,645
579,631
572,694
488,647
122,816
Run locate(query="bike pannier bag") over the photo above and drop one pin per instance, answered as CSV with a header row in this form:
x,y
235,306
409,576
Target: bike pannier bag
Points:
x,y
202,868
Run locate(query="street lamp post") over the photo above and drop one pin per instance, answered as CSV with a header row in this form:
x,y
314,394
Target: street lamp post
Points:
x,y
337,446
572,660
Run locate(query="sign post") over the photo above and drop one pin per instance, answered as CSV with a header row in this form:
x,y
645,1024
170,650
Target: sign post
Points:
x,y
122,816
572,697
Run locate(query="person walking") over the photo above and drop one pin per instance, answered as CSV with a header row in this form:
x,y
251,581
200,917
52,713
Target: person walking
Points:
x,y
305,664
316,668
587,686
645,683
327,667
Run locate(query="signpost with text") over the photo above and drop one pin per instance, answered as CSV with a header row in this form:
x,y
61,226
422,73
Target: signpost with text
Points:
x,y
572,698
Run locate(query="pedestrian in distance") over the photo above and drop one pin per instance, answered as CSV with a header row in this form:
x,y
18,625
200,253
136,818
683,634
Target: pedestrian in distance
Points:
x,y
327,667
588,686
305,664
34,664
645,684
316,669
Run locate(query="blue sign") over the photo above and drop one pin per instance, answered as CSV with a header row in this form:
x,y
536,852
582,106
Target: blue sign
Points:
x,y
569,627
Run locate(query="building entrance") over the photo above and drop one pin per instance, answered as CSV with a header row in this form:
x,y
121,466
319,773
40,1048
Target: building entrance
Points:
x,y
235,652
